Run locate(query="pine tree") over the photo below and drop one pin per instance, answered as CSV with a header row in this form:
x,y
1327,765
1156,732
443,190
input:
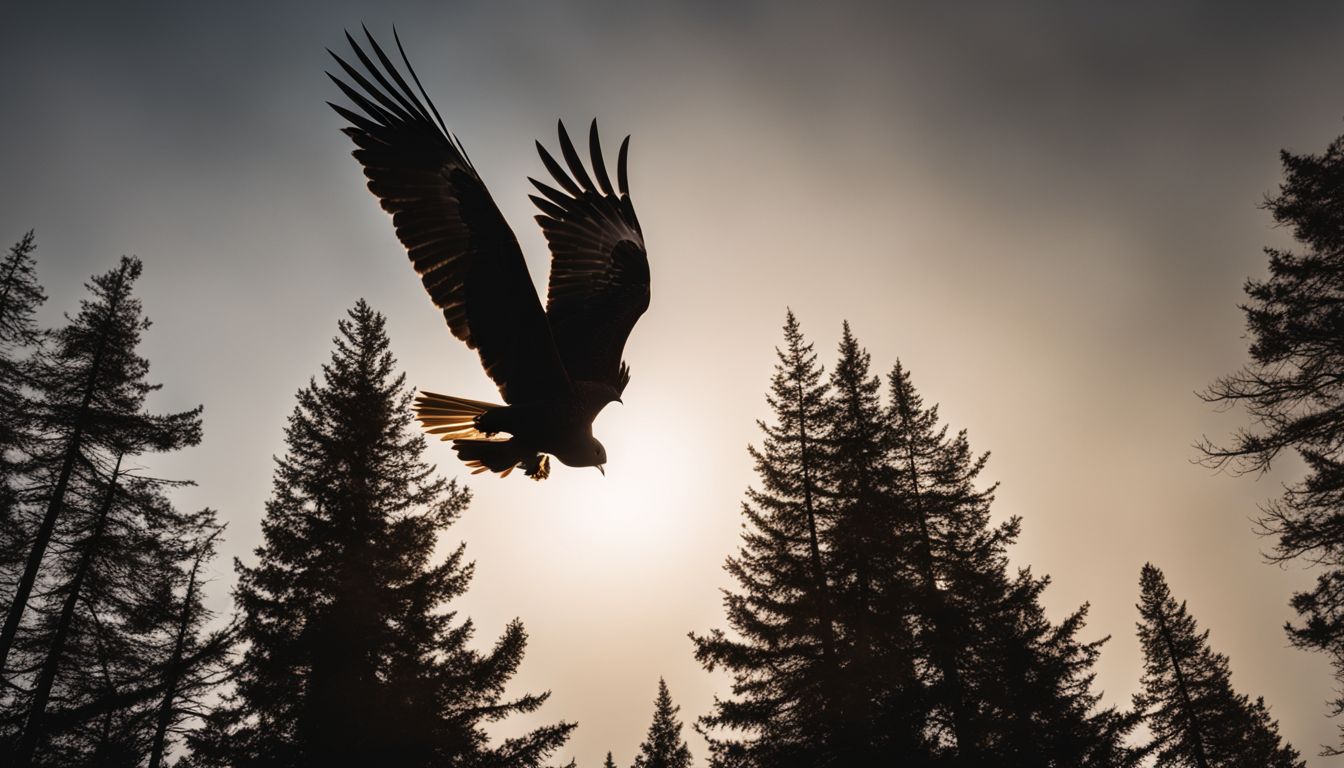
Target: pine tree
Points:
x,y
91,391
1195,717
197,661
1007,686
1293,390
609,763
663,747
933,483
786,708
77,627
127,665
104,633
874,588
350,656
20,296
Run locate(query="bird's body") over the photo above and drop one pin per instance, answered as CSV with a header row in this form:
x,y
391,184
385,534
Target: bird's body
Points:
x,y
556,368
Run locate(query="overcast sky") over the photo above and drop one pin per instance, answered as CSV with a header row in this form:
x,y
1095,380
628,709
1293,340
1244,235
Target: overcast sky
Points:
x,y
1046,211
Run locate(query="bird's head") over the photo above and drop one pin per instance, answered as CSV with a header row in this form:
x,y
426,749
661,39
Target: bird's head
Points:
x,y
587,453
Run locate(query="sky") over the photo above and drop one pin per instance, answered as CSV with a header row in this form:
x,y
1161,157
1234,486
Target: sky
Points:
x,y
1046,211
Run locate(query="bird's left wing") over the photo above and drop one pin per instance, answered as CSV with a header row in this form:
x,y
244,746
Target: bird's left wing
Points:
x,y
458,241
599,284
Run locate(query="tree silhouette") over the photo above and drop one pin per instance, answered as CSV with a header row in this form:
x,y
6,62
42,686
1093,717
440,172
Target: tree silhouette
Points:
x,y
663,747
1293,391
1195,717
81,624
352,656
89,409
787,706
20,340
1008,686
197,661
110,624
609,763
933,481
884,698
20,296
933,651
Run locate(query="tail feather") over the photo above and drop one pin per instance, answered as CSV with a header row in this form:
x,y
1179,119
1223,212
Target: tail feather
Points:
x,y
453,418
502,456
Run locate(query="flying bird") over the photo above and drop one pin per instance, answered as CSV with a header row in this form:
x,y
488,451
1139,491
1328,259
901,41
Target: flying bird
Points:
x,y
557,367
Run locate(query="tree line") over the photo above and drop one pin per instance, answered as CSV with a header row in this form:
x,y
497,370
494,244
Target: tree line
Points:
x,y
872,614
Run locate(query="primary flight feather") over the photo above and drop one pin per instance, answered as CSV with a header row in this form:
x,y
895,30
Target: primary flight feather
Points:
x,y
557,367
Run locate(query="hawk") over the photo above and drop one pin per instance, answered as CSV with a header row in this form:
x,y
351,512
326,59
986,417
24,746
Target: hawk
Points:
x,y
556,367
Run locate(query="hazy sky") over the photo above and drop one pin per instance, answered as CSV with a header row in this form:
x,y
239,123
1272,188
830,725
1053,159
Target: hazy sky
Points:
x,y
1046,211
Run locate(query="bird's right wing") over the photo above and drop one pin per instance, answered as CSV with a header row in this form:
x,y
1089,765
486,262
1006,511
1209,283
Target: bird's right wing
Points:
x,y
458,241
599,282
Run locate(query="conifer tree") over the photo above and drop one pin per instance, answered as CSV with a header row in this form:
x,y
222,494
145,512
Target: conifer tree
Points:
x,y
933,484
196,661
885,697
786,707
91,390
609,763
1195,717
1293,391
350,656
106,628
663,747
1007,686
20,296
942,655
79,627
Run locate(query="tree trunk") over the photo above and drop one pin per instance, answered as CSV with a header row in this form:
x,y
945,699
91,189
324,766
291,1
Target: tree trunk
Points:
x,y
818,572
967,746
48,526
1187,709
174,671
33,729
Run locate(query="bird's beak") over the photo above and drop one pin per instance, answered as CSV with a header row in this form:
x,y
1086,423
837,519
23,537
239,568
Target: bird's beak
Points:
x,y
600,469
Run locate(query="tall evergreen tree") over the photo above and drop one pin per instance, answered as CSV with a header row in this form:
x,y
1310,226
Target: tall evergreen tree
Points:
x,y
1196,719
131,657
350,656
106,630
786,708
884,695
78,627
663,747
1008,686
933,484
91,393
196,660
1293,390
20,296
938,653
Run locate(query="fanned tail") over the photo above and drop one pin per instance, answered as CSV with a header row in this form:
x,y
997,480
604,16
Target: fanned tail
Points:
x,y
452,418
502,456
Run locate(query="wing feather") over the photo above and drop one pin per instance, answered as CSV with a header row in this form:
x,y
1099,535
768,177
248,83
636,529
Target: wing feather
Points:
x,y
599,283
457,240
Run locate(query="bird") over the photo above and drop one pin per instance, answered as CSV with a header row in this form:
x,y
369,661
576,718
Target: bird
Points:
x,y
556,367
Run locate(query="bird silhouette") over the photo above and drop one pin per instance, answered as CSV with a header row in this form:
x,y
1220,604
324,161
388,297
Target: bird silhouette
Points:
x,y
556,368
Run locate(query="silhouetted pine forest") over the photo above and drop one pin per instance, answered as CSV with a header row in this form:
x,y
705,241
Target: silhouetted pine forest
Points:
x,y
871,615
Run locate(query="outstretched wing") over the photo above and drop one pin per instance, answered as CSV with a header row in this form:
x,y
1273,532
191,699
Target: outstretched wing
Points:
x,y
458,241
599,283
